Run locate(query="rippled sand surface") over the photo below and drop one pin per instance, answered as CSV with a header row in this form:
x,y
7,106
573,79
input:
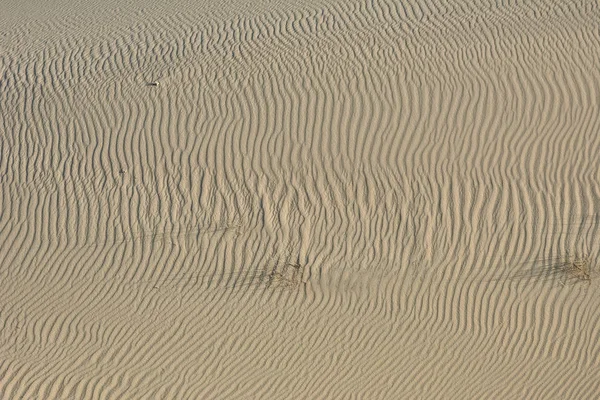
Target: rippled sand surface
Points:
x,y
341,200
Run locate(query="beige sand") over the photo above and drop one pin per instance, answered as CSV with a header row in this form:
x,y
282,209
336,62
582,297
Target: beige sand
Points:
x,y
300,201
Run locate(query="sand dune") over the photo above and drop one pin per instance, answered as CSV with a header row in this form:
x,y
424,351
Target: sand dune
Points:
x,y
282,201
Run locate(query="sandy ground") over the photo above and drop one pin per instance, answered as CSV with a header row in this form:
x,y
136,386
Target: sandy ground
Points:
x,y
342,200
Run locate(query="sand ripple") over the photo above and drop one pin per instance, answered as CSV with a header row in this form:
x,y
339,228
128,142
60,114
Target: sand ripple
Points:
x,y
358,200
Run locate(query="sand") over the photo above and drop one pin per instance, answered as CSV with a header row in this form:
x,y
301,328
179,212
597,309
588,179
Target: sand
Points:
x,y
284,200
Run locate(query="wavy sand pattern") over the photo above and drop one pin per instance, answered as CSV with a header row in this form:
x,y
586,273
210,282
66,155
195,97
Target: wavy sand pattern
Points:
x,y
357,200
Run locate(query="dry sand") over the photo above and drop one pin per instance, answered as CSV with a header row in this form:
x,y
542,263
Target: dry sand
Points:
x,y
275,200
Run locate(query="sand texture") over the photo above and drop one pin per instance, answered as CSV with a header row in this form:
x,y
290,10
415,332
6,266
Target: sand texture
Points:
x,y
286,200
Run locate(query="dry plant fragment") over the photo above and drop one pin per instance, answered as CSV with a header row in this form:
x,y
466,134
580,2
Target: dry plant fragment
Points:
x,y
577,268
567,269
286,276
571,269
